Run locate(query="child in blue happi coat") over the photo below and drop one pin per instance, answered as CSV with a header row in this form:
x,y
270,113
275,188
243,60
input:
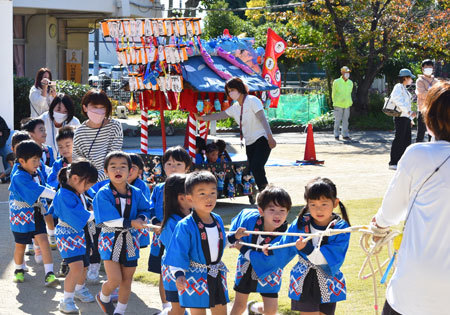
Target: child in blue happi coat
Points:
x,y
137,168
73,233
36,129
274,204
120,210
316,282
175,161
64,140
28,206
176,207
194,256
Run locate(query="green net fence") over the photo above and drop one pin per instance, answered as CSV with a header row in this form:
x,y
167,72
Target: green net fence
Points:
x,y
299,108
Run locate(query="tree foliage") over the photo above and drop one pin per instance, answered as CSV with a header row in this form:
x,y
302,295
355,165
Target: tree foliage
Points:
x,y
366,34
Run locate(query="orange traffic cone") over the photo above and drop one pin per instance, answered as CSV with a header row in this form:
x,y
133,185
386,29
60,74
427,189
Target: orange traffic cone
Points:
x,y
310,150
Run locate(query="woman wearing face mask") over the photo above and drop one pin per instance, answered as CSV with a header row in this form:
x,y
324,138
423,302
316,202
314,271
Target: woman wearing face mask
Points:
x,y
248,112
41,93
402,98
60,114
98,135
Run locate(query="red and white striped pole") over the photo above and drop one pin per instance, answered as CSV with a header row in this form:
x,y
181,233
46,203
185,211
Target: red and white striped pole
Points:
x,y
192,126
144,125
203,130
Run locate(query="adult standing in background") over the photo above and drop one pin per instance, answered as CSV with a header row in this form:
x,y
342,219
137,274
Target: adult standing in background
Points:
x,y
419,192
60,114
423,84
402,98
41,93
4,148
342,100
248,112
99,134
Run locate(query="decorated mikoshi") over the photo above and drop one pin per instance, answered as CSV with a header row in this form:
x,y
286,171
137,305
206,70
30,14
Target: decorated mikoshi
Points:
x,y
372,242
157,55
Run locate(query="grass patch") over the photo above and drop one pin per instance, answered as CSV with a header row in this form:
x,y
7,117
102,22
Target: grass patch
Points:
x,y
360,298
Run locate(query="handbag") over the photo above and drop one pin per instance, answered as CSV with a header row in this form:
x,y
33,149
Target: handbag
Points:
x,y
390,109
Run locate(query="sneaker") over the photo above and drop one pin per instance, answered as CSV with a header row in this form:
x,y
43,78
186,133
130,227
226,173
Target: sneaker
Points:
x,y
68,306
115,295
63,270
92,276
393,167
347,138
19,276
84,295
30,250
25,268
51,280
52,242
107,308
336,138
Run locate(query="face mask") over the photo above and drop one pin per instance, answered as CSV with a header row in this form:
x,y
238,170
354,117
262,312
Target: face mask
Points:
x,y
346,75
59,117
96,115
428,71
234,95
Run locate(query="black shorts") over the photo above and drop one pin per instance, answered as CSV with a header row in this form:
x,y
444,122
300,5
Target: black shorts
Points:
x,y
326,308
154,262
123,258
39,228
172,296
248,285
84,258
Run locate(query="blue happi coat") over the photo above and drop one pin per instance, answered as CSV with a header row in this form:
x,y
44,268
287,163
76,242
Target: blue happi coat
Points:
x,y
169,280
52,179
252,221
186,252
144,234
156,215
333,248
73,217
105,210
24,199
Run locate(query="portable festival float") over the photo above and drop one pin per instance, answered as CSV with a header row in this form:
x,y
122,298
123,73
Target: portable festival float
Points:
x,y
171,68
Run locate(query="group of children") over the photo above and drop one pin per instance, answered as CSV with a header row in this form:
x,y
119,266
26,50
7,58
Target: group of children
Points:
x,y
186,250
214,152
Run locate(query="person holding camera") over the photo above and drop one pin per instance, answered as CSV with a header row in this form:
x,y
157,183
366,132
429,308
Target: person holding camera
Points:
x,y
42,92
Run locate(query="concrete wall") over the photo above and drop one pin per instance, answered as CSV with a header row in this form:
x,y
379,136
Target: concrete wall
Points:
x,y
6,66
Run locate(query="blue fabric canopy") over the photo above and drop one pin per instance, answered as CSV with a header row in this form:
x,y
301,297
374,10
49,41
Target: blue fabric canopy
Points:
x,y
203,79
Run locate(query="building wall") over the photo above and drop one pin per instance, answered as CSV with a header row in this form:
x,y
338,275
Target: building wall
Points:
x,y
6,66
79,39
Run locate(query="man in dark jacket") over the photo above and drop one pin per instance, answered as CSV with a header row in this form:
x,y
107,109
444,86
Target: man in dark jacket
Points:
x,y
4,135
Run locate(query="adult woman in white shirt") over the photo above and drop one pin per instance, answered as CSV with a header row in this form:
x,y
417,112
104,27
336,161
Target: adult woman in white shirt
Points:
x,y
60,114
402,98
41,93
419,192
248,112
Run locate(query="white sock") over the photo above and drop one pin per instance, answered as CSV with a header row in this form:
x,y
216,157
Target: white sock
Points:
x,y
18,267
68,295
104,298
257,307
167,305
48,268
24,266
50,232
78,287
120,308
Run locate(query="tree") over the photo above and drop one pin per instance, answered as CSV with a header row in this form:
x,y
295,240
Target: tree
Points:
x,y
366,34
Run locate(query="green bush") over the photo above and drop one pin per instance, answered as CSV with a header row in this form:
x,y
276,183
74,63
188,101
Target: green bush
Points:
x,y
375,119
21,99
226,123
325,121
22,88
